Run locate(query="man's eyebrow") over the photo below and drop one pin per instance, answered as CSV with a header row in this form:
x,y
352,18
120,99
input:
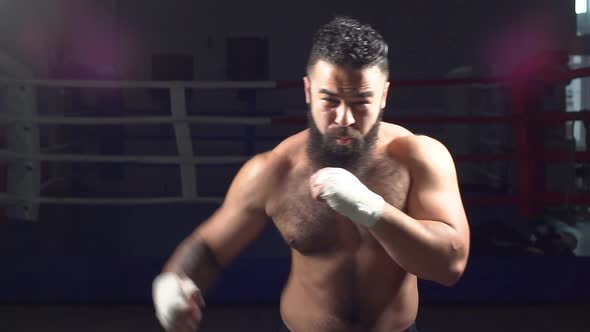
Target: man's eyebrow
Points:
x,y
328,92
366,94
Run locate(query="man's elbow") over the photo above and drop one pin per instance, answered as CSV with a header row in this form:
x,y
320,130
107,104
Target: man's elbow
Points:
x,y
452,274
452,277
454,269
447,275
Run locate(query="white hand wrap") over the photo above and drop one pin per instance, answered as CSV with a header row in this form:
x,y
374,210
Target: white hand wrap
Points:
x,y
344,193
170,294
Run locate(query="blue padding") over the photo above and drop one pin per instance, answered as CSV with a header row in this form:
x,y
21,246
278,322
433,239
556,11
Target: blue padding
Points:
x,y
516,280
96,280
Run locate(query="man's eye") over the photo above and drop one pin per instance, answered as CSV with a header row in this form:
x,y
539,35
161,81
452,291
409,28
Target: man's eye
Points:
x,y
331,101
360,106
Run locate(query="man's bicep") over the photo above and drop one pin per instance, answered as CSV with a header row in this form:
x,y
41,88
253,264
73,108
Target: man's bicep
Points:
x,y
229,230
240,218
436,204
434,194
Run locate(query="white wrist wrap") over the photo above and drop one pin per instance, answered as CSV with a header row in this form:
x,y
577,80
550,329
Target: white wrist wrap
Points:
x,y
344,193
170,294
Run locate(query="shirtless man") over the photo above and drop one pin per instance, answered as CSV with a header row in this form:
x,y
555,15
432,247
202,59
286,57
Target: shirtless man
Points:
x,y
366,206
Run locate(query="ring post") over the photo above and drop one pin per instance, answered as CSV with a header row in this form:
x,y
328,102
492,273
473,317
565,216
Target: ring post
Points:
x,y
184,144
23,175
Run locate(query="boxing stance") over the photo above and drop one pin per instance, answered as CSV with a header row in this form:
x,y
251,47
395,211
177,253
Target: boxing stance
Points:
x,y
366,206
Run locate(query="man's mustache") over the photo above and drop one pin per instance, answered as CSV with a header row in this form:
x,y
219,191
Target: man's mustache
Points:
x,y
345,132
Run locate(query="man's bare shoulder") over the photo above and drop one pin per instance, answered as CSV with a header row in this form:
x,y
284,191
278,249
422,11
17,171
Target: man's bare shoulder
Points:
x,y
291,152
258,179
390,132
420,150
274,163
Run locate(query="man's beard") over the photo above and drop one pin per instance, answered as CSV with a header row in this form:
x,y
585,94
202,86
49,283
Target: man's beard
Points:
x,y
324,151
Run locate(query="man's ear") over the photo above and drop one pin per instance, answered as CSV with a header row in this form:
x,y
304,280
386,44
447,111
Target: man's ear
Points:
x,y
306,87
384,96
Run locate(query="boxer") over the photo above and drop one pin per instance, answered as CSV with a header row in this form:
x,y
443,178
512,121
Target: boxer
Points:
x,y
365,206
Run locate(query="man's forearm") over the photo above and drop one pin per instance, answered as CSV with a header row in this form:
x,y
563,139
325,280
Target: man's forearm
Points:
x,y
194,259
431,250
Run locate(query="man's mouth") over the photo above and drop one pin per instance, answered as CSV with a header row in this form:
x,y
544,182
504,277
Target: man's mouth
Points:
x,y
343,140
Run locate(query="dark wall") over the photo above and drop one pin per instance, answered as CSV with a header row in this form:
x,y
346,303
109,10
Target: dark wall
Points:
x,y
91,254
427,38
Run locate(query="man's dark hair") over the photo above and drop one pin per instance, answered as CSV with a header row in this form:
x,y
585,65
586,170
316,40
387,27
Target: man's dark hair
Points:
x,y
349,43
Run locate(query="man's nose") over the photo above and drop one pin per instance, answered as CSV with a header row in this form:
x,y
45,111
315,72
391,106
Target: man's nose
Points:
x,y
344,116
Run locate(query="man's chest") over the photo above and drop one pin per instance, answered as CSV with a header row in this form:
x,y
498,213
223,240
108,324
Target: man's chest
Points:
x,y
310,226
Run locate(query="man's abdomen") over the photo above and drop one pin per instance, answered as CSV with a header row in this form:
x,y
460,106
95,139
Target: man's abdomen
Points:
x,y
340,294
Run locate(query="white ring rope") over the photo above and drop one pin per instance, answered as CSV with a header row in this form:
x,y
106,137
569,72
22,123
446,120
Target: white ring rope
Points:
x,y
28,202
8,199
141,84
173,160
94,120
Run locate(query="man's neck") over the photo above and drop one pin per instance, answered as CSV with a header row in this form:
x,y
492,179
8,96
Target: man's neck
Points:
x,y
357,166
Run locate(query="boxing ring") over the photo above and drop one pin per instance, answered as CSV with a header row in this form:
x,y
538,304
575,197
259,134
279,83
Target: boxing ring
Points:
x,y
513,163
22,154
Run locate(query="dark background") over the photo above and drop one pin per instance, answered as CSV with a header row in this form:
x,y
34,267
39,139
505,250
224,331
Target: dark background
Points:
x,y
104,255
